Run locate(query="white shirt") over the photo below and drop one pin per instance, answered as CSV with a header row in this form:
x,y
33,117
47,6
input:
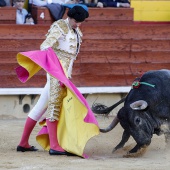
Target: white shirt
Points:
x,y
20,16
45,2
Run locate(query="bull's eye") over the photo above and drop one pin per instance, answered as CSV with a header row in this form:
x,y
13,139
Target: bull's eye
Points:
x,y
137,120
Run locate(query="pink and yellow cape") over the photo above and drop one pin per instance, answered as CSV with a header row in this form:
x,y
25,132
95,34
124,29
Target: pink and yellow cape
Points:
x,y
77,123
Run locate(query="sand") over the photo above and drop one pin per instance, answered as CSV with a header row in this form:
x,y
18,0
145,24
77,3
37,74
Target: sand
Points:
x,y
99,150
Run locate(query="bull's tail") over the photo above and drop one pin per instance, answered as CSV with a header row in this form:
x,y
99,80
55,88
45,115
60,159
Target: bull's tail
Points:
x,y
102,109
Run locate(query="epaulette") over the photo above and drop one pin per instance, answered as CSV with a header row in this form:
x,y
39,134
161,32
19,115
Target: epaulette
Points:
x,y
63,26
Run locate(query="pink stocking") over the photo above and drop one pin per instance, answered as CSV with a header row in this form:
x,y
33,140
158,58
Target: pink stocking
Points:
x,y
29,125
52,130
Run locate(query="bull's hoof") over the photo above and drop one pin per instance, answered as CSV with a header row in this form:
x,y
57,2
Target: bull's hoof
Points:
x,y
139,153
131,155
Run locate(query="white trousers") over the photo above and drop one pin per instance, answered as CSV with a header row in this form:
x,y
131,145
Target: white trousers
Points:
x,y
42,104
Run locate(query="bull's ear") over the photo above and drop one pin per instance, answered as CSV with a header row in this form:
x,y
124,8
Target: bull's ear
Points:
x,y
139,105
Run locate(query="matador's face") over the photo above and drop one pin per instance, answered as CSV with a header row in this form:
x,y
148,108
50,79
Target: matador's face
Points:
x,y
73,23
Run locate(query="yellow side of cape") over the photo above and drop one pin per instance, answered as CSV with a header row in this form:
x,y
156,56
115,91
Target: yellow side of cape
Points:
x,y
73,132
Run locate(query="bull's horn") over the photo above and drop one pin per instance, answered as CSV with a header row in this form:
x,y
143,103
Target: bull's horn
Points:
x,y
111,126
139,105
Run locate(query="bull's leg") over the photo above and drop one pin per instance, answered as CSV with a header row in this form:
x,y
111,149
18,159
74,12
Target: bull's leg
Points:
x,y
125,138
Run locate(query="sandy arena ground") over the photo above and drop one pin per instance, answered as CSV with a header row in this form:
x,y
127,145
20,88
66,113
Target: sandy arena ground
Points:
x,y
99,148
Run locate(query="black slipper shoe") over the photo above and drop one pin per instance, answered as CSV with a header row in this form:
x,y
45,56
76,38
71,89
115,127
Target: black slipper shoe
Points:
x,y
54,152
22,149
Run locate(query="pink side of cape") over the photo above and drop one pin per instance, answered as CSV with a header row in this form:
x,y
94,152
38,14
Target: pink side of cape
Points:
x,y
22,74
49,62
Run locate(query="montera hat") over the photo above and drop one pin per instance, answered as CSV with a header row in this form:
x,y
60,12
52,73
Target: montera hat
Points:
x,y
78,12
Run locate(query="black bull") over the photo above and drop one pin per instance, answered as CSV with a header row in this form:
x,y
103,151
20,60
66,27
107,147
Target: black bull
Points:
x,y
146,110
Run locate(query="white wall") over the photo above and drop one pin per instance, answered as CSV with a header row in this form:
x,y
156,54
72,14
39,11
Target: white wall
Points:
x,y
13,105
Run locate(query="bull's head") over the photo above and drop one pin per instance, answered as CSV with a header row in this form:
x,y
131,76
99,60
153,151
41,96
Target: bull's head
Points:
x,y
137,123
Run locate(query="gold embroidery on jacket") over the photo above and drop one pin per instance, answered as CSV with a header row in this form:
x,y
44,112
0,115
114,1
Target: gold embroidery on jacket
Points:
x,y
57,93
58,32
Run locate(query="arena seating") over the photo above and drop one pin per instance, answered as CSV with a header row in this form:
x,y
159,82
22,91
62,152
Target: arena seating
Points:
x,y
115,50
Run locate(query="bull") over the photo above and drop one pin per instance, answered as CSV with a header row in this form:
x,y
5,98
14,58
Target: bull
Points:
x,y
146,110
